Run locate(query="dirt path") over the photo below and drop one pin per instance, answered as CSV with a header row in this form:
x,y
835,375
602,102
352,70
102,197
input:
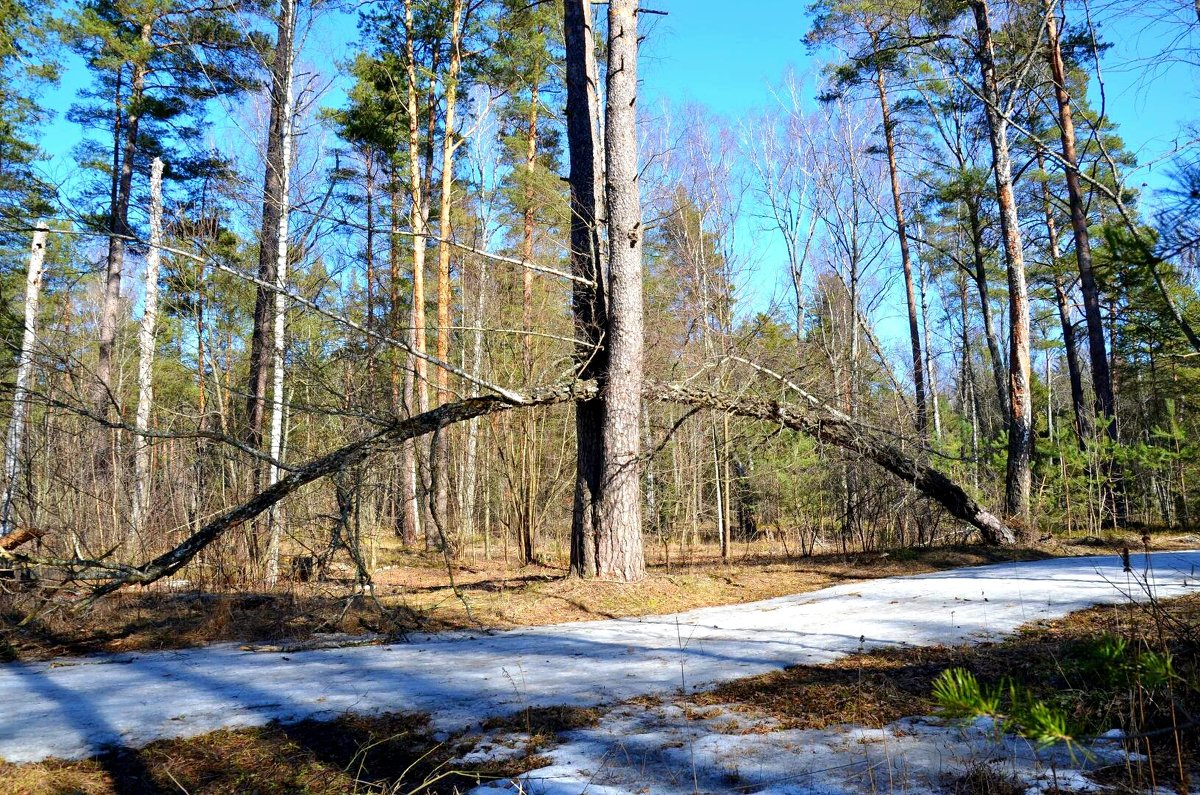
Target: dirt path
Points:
x,y
73,707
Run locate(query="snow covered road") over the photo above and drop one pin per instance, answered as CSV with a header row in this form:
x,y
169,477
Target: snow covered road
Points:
x,y
73,707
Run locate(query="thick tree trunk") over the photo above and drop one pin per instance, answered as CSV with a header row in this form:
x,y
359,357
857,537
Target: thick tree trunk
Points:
x,y
1018,477
587,300
146,346
619,549
914,327
20,395
274,170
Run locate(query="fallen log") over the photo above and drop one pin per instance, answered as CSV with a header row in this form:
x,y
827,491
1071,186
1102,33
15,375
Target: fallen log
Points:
x,y
833,427
331,463
20,536
818,420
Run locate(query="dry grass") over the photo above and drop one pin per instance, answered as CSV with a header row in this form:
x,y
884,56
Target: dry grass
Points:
x,y
386,754
878,687
412,592
396,754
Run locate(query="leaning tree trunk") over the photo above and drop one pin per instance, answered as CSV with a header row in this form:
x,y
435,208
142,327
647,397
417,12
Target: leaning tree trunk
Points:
x,y
16,425
588,294
1018,477
146,345
278,407
619,553
841,430
815,419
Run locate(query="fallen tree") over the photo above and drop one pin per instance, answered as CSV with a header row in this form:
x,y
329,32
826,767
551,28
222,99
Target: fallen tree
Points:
x,y
833,427
816,420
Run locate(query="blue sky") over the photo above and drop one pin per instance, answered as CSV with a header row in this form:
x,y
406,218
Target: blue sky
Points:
x,y
727,56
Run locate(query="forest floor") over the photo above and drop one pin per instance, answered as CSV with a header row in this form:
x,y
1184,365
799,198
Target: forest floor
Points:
x,y
412,592
497,704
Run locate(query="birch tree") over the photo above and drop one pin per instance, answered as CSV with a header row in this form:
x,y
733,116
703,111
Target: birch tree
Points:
x,y
20,396
146,346
287,15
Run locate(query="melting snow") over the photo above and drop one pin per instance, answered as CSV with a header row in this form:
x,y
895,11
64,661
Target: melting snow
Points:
x,y
635,750
73,708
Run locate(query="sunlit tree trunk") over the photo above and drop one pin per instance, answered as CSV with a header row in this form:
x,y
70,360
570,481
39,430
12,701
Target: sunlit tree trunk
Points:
x,y
914,327
1018,476
146,346
287,12
619,548
20,395
441,448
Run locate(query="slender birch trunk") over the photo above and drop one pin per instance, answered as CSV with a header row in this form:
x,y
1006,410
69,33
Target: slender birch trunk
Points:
x,y
274,520
16,424
146,346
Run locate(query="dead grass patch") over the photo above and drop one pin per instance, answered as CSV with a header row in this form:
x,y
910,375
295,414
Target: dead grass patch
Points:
x,y
413,592
353,754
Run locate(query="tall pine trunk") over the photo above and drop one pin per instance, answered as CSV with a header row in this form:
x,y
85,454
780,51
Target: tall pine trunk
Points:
x,y
441,442
1062,301
619,549
914,323
1018,476
119,230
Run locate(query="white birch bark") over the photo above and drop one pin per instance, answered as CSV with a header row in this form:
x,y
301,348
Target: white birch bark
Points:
x,y
16,425
288,10
141,453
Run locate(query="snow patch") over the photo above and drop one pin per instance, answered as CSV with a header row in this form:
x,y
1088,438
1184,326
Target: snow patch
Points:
x,y
74,708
